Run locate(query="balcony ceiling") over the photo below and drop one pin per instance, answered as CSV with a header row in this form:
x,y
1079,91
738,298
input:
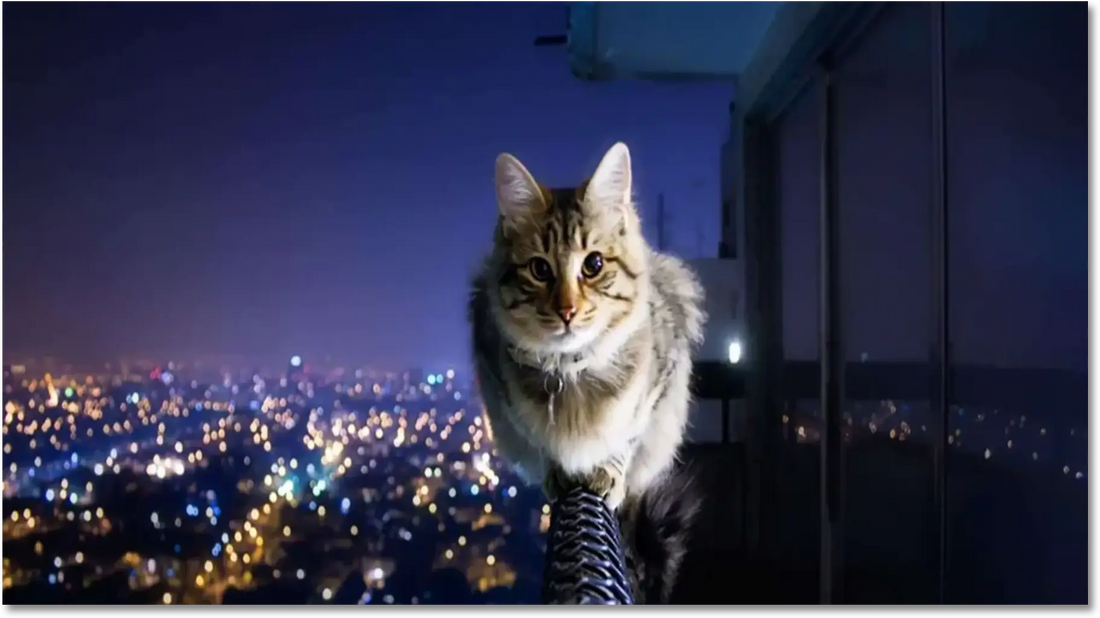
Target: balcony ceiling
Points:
x,y
666,40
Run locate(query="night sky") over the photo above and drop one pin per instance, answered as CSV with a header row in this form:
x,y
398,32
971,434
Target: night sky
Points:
x,y
263,180
257,181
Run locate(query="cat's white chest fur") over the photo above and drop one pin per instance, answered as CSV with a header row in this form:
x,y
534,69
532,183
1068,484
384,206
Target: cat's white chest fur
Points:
x,y
583,432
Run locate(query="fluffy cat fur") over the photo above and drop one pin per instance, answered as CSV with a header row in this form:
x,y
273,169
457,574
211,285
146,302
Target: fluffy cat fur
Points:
x,y
584,362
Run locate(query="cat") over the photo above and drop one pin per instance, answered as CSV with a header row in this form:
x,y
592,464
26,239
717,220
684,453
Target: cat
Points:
x,y
582,338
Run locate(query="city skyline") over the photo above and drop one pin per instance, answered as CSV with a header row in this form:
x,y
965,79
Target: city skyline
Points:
x,y
208,362
188,492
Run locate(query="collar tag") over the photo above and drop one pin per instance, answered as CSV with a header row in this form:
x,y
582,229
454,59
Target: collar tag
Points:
x,y
553,385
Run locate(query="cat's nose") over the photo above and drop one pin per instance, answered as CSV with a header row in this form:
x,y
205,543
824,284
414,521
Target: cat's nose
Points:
x,y
567,313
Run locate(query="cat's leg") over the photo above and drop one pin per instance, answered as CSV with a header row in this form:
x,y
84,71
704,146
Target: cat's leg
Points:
x,y
606,480
658,446
609,480
556,482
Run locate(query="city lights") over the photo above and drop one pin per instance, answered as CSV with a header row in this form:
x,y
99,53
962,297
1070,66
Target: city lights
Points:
x,y
291,448
312,465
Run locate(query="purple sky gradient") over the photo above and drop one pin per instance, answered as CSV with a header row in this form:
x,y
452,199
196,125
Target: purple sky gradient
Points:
x,y
261,180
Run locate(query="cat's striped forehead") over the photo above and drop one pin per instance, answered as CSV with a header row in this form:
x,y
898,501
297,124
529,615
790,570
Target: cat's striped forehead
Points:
x,y
564,222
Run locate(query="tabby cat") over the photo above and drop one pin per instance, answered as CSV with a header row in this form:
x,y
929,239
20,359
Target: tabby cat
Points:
x,y
582,337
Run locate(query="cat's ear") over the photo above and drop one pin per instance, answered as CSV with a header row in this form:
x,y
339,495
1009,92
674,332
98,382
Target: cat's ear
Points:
x,y
518,194
610,187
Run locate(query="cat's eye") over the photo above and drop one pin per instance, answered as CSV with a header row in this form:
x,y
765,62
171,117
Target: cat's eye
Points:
x,y
540,269
593,264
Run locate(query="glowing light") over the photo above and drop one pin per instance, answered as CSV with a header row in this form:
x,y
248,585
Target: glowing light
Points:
x,y
295,361
735,352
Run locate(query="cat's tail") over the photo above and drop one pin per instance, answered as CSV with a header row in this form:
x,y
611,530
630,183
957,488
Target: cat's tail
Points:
x,y
655,530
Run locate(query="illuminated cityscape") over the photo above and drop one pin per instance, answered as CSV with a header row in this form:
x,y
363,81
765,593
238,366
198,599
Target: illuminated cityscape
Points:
x,y
153,488
147,485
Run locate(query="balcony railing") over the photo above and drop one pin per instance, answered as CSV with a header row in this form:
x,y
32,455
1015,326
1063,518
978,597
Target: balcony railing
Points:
x,y
585,564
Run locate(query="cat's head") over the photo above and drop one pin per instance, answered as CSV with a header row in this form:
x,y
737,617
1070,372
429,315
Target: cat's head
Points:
x,y
571,264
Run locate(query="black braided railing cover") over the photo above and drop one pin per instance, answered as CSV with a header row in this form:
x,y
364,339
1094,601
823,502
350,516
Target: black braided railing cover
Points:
x,y
584,556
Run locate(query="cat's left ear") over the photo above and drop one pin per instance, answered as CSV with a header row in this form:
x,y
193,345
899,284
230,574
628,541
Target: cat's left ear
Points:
x,y
611,186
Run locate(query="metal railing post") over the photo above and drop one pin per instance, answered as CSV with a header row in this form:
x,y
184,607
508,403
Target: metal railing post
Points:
x,y
585,564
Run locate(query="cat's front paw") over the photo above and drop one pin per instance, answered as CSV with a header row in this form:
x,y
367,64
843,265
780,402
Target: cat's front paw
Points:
x,y
555,483
609,483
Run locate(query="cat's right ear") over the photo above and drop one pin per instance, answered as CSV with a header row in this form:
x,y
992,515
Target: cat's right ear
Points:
x,y
518,194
